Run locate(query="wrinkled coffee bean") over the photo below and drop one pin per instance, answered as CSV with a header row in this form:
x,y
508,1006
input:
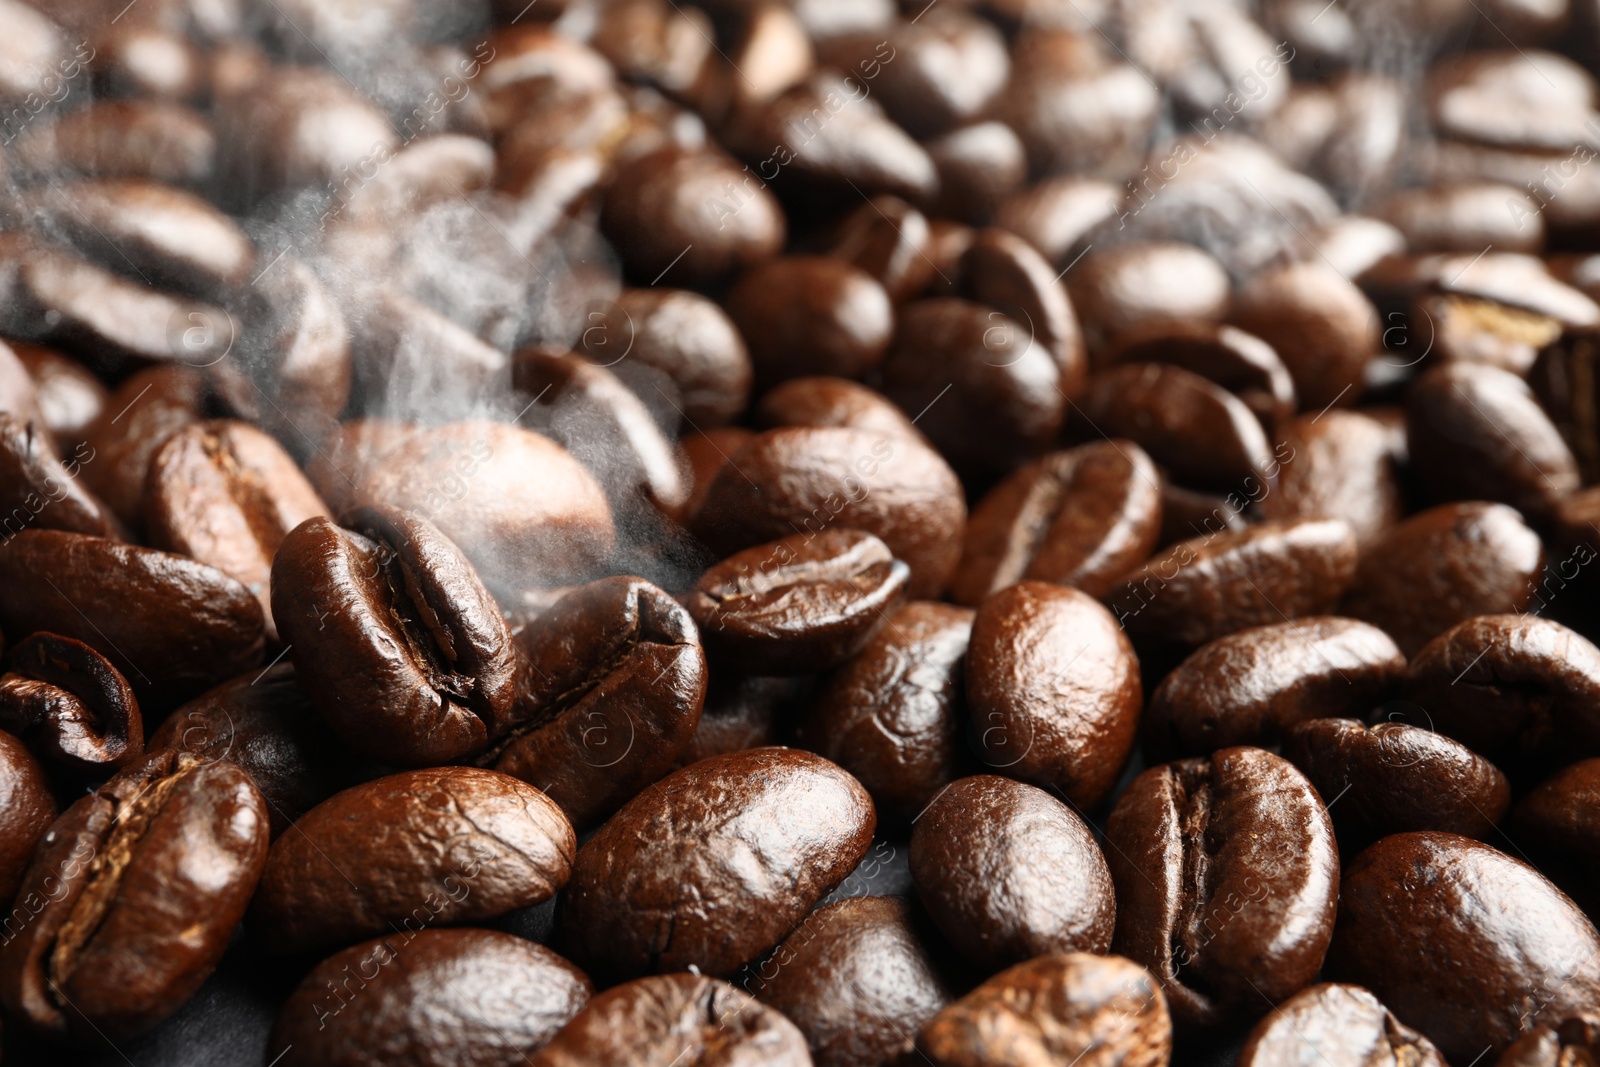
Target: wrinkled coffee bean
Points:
x,y
70,704
26,811
1344,1024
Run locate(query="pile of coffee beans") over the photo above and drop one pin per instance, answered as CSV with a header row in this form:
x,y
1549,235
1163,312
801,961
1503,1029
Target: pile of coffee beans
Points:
x,y
769,533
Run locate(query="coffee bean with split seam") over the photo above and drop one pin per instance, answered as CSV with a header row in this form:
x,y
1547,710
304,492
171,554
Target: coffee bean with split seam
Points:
x,y
70,704
1344,1025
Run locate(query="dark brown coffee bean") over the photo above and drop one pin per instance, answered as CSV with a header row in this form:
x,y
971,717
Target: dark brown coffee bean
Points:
x,y
1203,434
741,711
812,478
144,881
1399,778
154,139
1142,287
1002,271
1322,326
224,493
1340,465
919,85
264,722
1412,899
893,716
430,847
1081,518
40,491
675,1019
1511,686
1344,1024
1190,593
1008,872
70,704
1188,513
1054,1009
172,626
608,698
407,359
26,811
979,167
1555,1042
1054,690
394,637
832,402
706,454
1442,567
1559,822
1464,329
699,205
19,394
1054,214
69,397
804,604
890,240
714,864
856,979
470,997
805,315
1251,687
1244,365
1563,379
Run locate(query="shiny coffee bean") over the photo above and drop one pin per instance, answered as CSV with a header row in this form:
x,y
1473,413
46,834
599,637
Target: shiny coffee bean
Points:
x,y
1227,874
807,315
70,704
705,455
1465,217
1144,286
1557,822
42,491
1322,326
1055,1009
1344,1024
675,1019
143,882
1190,593
1244,365
1253,686
890,240
1443,566
436,997
804,604
1054,690
1008,872
1080,518
822,401
139,416
70,397
607,699
26,811
352,867
1341,465
919,85
1002,271
857,980
1413,898
714,864
1562,377
979,167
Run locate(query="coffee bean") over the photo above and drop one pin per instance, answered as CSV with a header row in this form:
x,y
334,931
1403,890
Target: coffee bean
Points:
x,y
856,979
156,866
1008,873
1055,213
39,490
351,868
142,413
1189,513
918,85
473,997
69,397
154,139
26,811
738,849
394,637
1443,566
706,454
1189,594
1341,465
1464,329
1465,217
1002,271
19,395
1054,1009
1413,897
1142,287
1557,821
1318,321
890,240
607,699
1054,690
674,1019
979,167
832,402
1563,379
1080,518
70,704
740,712
1554,1042
805,315
1226,874
893,716
146,62
1252,687
1345,1024
1244,365
1486,97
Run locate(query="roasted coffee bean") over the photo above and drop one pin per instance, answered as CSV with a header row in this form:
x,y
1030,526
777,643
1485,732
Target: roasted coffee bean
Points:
x,y
1516,686
1190,595
19,395
1412,899
1559,821
41,491
676,1019
1554,1042
470,997
264,722
1488,97
1002,271
406,358
1441,567
193,626
807,315
26,811
740,712
705,455
1253,686
1344,1024
146,62
714,864
1340,465
1465,329
1465,217
1054,690
832,402
1563,379
1081,518
1398,777
1244,365
401,648
979,167
1322,326
224,493
857,980
1188,513
155,139
1055,1009
1008,872
894,715
608,697
812,478
143,882
145,410
69,396
890,240
1138,287
1201,433
804,604
442,845
1227,875
1477,433
70,704
919,85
